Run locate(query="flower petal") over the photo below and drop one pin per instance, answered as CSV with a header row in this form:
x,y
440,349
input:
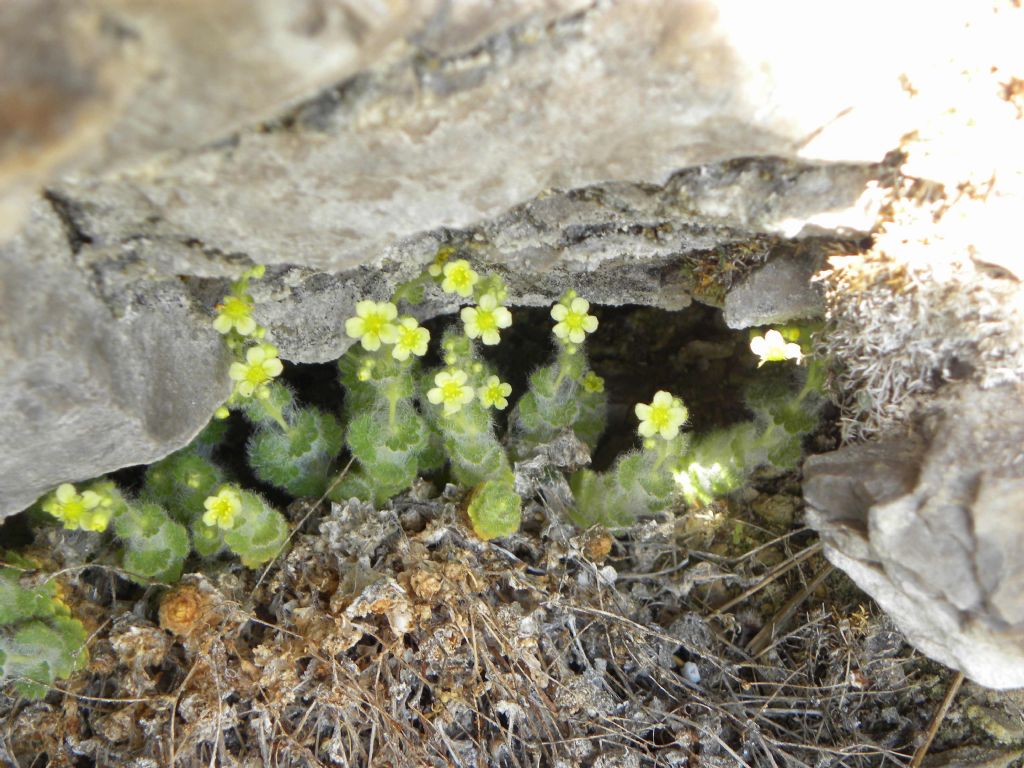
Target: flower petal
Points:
x,y
355,327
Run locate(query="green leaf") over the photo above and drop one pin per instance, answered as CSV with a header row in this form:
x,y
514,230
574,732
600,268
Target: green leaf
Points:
x,y
300,460
495,509
155,546
181,482
260,531
42,652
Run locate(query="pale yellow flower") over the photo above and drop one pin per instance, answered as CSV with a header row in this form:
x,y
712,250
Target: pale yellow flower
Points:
x,y
372,324
772,348
222,509
85,510
260,366
494,393
459,278
664,416
451,390
411,339
572,321
485,320
235,312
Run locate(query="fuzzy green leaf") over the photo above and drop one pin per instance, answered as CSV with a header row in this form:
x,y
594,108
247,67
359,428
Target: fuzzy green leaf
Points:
x,y
298,461
495,509
259,532
155,546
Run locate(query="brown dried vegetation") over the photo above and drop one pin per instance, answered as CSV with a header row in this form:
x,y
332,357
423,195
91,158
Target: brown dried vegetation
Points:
x,y
394,638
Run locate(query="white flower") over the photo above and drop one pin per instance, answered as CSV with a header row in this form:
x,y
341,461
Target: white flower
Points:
x,y
772,347
484,321
87,510
235,312
572,321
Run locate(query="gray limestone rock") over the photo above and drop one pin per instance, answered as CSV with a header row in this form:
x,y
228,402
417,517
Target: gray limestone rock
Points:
x,y
778,292
931,528
87,388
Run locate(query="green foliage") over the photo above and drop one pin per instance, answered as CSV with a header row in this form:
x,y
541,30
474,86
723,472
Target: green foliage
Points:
x,y
155,546
259,532
495,509
560,396
787,404
641,482
39,641
391,442
278,400
298,459
388,446
181,482
472,447
207,540
399,423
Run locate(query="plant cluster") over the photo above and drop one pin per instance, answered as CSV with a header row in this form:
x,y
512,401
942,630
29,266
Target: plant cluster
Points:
x,y
402,419
39,639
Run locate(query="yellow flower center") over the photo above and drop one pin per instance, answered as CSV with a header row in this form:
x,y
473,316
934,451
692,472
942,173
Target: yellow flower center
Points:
x,y
660,416
408,337
235,308
451,391
223,509
460,277
256,374
485,320
373,324
574,321
73,510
